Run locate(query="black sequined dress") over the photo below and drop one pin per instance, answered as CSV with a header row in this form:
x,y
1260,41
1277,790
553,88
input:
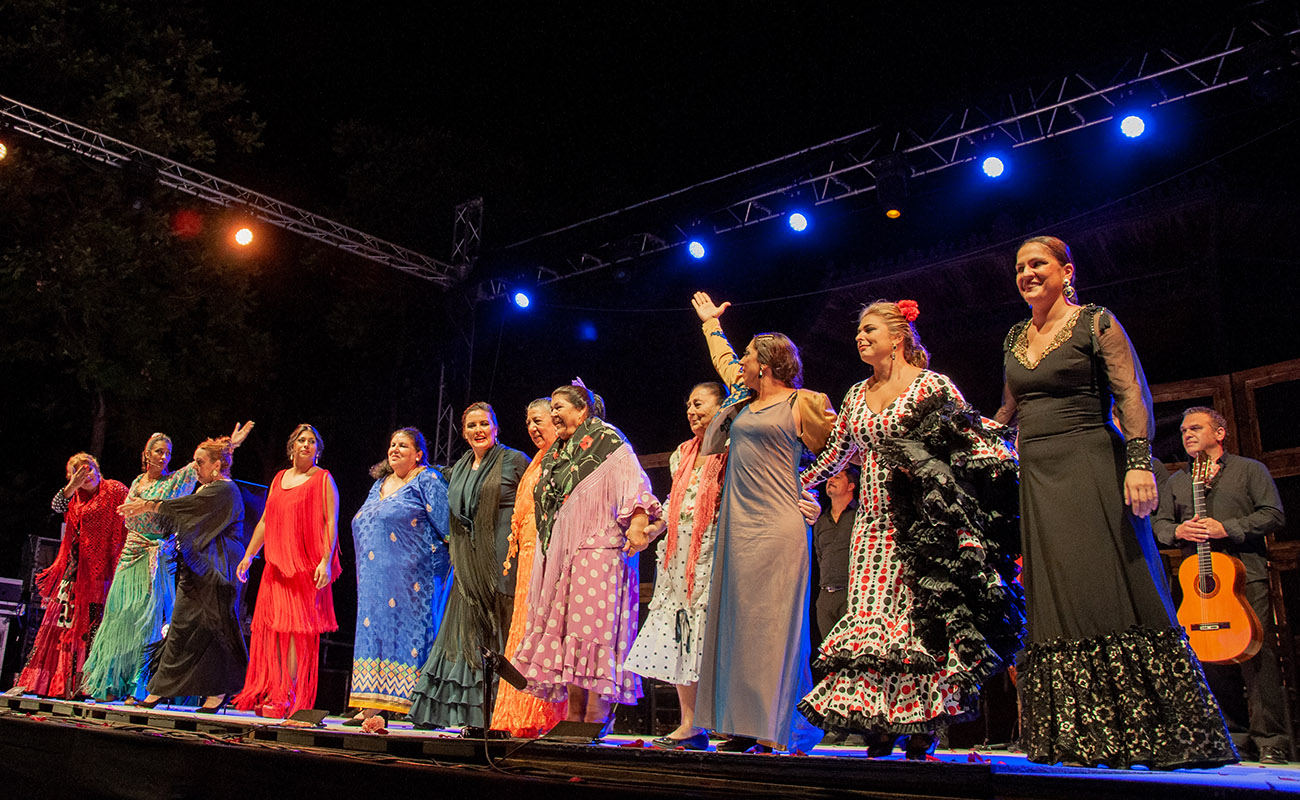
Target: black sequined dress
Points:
x,y
1108,676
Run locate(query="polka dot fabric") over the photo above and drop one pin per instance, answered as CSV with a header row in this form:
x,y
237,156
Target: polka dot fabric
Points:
x,y
878,683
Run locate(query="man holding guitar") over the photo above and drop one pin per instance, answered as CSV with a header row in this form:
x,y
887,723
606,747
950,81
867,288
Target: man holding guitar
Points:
x,y
1240,506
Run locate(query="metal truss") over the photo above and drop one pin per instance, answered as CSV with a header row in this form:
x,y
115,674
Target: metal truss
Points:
x,y
851,165
114,152
467,234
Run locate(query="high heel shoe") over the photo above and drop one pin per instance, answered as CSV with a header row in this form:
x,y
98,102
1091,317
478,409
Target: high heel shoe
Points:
x,y
217,709
880,744
147,703
919,746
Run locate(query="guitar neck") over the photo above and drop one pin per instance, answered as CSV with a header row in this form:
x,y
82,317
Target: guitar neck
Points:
x,y
1198,508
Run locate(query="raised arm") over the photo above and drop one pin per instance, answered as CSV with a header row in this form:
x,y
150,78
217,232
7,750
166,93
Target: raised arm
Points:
x,y
721,352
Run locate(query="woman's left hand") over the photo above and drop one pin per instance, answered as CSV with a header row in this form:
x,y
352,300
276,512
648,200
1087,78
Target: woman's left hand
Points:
x,y
809,507
240,433
322,573
1140,492
637,540
132,507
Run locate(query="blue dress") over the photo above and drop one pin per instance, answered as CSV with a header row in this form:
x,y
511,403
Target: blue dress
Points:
x,y
403,574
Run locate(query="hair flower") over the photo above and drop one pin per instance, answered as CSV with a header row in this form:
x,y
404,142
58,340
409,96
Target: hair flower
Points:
x,y
909,309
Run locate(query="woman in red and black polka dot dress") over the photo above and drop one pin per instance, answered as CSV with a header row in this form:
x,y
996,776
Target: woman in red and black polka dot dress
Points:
x,y
932,610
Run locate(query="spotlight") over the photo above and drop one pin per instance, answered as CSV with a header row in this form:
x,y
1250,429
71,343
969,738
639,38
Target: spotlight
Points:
x,y
699,236
891,184
993,162
244,236
521,299
798,222
5,130
4,151
1132,126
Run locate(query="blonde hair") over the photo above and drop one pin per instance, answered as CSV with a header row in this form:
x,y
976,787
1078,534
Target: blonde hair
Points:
x,y
914,352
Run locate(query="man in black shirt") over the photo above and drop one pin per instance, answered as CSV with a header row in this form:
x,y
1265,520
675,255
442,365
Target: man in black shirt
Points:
x,y
1242,506
832,535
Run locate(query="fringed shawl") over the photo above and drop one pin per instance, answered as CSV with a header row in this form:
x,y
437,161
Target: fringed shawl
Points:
x,y
706,502
566,465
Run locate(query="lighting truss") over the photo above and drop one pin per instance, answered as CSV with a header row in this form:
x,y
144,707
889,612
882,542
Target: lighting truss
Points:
x,y
116,153
847,166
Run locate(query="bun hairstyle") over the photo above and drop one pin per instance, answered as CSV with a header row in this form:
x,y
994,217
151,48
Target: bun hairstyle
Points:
x,y
479,406
222,450
900,318
383,469
1061,252
580,397
780,355
154,438
293,437
712,387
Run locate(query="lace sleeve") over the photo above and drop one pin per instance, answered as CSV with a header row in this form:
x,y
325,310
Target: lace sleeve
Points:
x,y
1133,407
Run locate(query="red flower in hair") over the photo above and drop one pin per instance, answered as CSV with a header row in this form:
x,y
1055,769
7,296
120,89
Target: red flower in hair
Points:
x,y
909,309
585,443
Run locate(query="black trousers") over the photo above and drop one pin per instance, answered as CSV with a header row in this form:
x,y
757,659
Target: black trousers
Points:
x,y
1250,694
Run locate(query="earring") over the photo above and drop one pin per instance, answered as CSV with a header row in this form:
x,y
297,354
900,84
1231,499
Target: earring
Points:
x,y
760,372
893,354
1069,292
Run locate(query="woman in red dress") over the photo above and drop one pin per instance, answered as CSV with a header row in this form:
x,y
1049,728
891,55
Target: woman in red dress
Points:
x,y
295,604
74,586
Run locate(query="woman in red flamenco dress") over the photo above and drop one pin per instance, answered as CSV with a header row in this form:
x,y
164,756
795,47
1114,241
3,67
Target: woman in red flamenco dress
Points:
x,y
74,586
295,603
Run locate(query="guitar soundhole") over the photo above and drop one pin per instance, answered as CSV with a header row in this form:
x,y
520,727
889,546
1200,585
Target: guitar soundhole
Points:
x,y
1206,584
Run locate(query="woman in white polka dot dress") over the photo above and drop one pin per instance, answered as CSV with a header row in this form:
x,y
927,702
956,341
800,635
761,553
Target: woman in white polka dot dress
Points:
x,y
670,644
931,608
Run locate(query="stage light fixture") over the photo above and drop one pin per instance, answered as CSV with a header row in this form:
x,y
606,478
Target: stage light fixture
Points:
x,y
5,130
891,184
990,155
699,237
798,222
1132,126
993,166
244,236
521,298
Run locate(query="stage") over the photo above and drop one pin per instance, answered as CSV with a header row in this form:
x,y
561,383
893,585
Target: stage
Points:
x,y
62,749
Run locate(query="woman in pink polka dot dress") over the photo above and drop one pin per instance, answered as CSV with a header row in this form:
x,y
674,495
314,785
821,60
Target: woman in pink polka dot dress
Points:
x,y
593,504
938,489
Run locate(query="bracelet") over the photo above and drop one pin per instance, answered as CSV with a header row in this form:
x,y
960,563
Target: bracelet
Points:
x,y
1137,454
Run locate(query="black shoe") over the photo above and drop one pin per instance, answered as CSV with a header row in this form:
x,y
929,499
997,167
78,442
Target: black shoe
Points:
x,y
834,737
217,709
1273,755
919,745
146,704
880,744
737,744
699,741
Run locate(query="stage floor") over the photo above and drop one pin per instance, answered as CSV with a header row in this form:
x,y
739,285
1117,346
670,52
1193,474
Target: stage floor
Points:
x,y
61,749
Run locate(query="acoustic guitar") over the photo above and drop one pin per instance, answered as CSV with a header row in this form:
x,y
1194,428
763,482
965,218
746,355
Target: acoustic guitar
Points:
x,y
1221,625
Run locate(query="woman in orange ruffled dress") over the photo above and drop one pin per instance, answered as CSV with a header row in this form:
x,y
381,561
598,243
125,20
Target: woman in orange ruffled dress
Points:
x,y
295,603
519,712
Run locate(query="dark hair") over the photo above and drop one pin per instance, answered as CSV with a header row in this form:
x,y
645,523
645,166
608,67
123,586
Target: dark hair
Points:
x,y
144,454
779,354
304,426
913,352
383,470
1218,419
712,387
580,397
479,406
854,473
1061,252
222,450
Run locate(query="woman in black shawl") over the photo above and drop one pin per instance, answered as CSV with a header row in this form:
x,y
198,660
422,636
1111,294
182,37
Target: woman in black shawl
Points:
x,y
481,496
204,651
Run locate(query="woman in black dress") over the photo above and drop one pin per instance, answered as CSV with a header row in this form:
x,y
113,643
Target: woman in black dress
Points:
x,y
1108,678
204,652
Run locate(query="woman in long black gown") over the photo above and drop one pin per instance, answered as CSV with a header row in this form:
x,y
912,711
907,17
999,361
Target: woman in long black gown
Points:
x,y
204,652
1108,677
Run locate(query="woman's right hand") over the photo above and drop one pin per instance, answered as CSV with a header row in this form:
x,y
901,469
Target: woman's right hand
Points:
x,y
705,307
241,571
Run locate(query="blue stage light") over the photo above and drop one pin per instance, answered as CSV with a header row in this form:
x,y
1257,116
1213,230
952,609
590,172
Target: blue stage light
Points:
x,y
696,248
1132,126
521,299
798,222
993,166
